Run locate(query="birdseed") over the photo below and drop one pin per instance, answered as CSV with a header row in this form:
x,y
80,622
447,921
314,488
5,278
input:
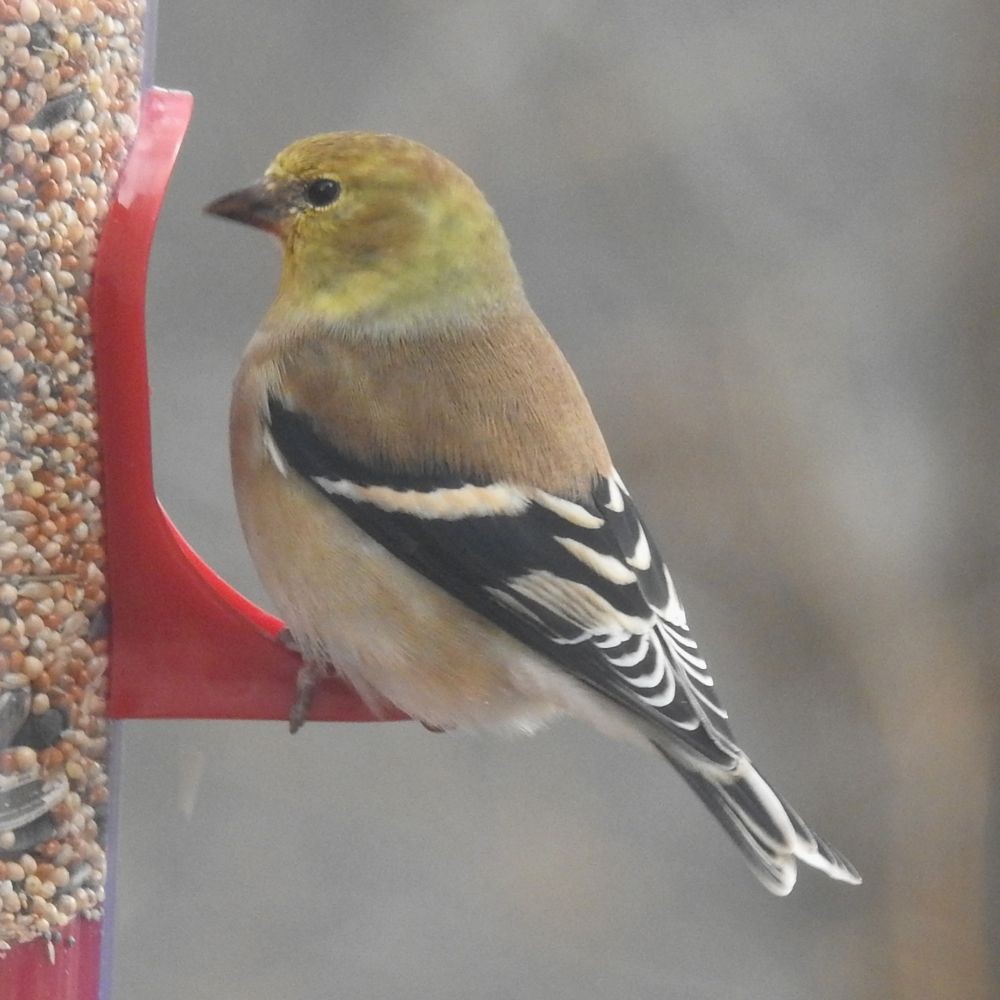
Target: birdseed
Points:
x,y
70,75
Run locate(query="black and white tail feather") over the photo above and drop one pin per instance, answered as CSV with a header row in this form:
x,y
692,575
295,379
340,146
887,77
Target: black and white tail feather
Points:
x,y
580,582
771,835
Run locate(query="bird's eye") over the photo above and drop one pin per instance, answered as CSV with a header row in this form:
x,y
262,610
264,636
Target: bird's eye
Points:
x,y
322,192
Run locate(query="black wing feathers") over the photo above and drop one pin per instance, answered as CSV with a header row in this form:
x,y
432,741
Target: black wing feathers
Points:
x,y
613,629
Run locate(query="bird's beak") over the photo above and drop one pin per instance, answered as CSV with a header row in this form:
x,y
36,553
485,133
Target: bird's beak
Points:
x,y
261,205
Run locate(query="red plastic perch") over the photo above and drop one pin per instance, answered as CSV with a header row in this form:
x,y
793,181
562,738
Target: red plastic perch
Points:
x,y
184,644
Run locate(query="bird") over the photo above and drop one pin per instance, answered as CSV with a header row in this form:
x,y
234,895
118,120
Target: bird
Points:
x,y
430,503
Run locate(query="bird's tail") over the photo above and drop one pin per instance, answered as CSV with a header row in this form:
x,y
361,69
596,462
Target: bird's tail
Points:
x,y
769,832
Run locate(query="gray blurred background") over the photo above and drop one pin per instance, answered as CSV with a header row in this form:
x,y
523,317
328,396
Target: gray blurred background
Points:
x,y
766,237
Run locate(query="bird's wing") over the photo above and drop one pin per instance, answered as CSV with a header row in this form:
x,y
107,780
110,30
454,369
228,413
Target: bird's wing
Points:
x,y
578,581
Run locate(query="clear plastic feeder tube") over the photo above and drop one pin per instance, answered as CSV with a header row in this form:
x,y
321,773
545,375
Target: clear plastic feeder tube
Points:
x,y
71,77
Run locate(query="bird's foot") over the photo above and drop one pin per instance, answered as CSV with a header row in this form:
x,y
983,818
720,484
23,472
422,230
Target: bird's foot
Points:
x,y
434,729
309,676
287,640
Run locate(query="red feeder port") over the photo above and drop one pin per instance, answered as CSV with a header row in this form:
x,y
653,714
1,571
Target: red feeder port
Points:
x,y
184,644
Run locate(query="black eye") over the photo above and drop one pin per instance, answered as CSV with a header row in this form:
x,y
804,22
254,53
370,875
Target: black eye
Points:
x,y
322,192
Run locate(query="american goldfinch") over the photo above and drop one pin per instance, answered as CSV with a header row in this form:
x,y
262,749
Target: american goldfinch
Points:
x,y
429,500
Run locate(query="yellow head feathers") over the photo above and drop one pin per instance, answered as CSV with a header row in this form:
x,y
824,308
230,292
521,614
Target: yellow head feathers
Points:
x,y
379,232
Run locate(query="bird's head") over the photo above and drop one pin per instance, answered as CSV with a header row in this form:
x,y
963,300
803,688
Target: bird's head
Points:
x,y
379,231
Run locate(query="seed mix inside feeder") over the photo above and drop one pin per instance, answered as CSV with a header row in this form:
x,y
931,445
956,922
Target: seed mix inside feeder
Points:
x,y
70,82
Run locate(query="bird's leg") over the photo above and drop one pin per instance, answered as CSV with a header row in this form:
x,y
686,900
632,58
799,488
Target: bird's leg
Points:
x,y
310,674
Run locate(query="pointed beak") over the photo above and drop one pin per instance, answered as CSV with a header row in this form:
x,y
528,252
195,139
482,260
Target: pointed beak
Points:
x,y
261,205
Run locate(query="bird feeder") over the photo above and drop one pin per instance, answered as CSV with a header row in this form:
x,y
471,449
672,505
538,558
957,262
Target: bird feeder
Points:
x,y
105,612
